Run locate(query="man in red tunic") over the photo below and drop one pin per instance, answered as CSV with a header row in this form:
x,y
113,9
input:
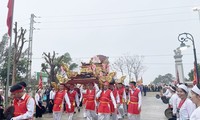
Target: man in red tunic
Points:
x,y
73,97
135,102
116,96
123,99
91,104
104,97
60,96
23,103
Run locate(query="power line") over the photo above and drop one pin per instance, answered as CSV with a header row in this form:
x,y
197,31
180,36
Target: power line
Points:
x,y
122,12
114,18
117,25
112,57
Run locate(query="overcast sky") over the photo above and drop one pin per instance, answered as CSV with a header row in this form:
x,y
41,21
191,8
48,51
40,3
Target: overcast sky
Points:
x,y
86,28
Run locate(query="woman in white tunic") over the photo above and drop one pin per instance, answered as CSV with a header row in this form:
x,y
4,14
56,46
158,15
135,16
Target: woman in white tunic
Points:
x,y
173,101
185,105
195,97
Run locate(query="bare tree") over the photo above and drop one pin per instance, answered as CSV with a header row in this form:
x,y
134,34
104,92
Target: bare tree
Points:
x,y
19,41
118,65
130,65
136,66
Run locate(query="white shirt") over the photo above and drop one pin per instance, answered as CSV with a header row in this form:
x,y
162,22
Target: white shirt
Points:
x,y
30,107
124,96
111,96
167,93
195,114
173,101
117,98
139,98
186,109
37,98
52,95
67,100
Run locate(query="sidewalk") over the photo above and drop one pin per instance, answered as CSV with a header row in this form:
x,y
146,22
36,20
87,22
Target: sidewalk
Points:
x,y
152,109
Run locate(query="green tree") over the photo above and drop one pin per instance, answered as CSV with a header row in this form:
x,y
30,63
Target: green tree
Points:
x,y
20,70
3,47
191,73
166,79
52,64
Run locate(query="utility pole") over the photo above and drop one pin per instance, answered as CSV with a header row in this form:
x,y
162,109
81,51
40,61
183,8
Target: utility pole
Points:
x,y
28,74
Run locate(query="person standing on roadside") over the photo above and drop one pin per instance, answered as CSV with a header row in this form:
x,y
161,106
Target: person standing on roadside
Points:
x,y
38,103
51,99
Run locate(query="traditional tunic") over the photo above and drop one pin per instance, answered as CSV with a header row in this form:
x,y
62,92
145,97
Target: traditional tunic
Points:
x,y
173,101
90,105
122,97
73,97
24,108
58,101
135,100
195,114
104,109
185,109
58,104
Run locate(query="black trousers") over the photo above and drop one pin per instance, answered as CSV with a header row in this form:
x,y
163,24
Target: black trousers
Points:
x,y
1,114
50,106
38,110
145,93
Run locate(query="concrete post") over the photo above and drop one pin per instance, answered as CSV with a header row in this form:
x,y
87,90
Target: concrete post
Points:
x,y
179,66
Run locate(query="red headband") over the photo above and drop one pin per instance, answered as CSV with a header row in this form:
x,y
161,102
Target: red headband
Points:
x,y
20,90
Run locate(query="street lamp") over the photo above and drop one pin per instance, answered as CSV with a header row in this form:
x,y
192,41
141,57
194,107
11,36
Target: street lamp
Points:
x,y
184,37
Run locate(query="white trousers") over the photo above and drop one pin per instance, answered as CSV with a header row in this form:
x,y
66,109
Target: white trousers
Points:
x,y
133,117
91,115
70,116
57,115
84,111
121,111
114,116
103,116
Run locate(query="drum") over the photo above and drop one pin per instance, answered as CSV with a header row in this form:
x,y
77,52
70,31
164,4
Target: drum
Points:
x,y
165,99
157,96
168,113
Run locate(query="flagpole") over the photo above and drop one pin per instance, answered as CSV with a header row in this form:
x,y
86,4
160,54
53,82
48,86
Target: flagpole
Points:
x,y
9,57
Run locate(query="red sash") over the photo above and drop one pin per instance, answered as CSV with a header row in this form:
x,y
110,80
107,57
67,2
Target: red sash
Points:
x,y
181,103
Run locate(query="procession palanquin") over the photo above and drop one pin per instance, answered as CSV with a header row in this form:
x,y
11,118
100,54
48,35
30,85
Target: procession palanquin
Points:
x,y
97,70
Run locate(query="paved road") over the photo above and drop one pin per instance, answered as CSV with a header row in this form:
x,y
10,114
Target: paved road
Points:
x,y
152,109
